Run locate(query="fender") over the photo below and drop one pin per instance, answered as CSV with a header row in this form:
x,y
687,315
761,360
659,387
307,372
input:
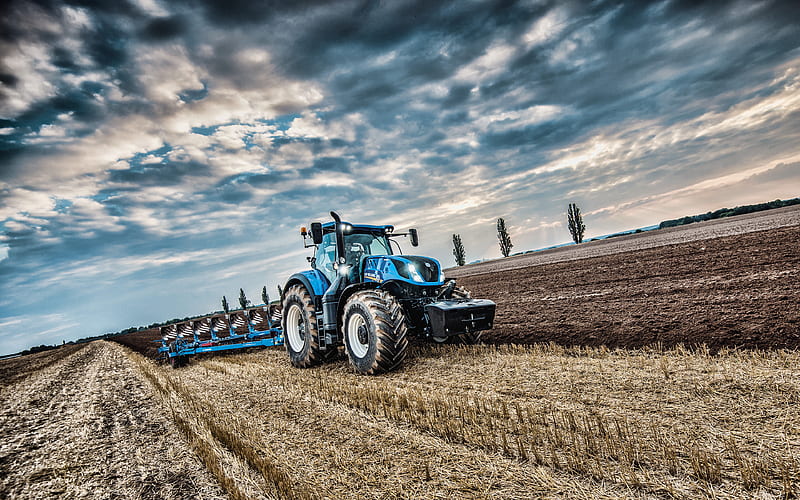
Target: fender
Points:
x,y
314,281
350,290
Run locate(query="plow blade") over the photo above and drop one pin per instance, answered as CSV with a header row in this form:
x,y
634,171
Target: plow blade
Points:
x,y
253,327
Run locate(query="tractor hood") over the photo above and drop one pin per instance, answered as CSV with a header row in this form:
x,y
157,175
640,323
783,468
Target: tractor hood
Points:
x,y
409,268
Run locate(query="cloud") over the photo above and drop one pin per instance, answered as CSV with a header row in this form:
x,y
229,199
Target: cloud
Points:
x,y
150,148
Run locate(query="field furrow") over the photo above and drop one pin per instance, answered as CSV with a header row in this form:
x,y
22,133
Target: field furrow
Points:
x,y
86,426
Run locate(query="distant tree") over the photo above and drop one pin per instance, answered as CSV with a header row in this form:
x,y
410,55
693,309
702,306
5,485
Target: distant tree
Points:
x,y
225,304
575,223
505,239
458,250
243,299
280,292
265,295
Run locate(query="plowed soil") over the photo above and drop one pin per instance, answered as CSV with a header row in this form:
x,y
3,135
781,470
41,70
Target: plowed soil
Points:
x,y
733,291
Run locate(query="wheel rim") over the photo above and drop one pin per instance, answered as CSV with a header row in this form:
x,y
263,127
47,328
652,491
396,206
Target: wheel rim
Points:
x,y
357,335
439,340
295,328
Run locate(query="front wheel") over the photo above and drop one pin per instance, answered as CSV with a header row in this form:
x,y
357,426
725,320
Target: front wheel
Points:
x,y
375,332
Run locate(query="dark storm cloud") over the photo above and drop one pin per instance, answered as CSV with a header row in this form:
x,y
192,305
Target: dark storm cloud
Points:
x,y
395,109
168,173
228,13
332,164
418,30
164,28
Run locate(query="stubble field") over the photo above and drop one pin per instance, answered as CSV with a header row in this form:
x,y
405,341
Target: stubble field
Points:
x,y
545,420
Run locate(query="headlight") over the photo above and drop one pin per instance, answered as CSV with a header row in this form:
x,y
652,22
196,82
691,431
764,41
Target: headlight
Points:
x,y
344,269
415,274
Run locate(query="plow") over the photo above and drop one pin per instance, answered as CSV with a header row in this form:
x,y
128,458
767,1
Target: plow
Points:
x,y
253,327
361,297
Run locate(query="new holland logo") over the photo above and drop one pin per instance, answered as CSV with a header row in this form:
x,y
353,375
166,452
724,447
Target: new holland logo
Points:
x,y
372,276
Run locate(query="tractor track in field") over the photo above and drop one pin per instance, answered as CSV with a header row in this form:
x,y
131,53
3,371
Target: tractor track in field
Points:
x,y
85,426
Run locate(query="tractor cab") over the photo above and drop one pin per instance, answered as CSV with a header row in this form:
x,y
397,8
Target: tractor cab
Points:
x,y
360,242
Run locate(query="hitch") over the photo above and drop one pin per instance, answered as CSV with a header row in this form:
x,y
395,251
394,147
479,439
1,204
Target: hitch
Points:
x,y
447,291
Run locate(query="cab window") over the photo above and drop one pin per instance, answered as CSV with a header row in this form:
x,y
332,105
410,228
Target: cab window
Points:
x,y
326,256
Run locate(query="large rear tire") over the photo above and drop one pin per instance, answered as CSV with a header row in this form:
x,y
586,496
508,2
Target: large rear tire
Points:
x,y
300,333
375,332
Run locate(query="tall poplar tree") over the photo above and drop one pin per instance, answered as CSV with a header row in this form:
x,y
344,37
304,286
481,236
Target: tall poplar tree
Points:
x,y
505,239
458,250
575,223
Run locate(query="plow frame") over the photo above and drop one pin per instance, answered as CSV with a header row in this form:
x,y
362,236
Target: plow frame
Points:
x,y
235,330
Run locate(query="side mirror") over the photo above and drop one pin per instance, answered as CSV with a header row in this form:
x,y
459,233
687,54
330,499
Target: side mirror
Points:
x,y
412,233
316,232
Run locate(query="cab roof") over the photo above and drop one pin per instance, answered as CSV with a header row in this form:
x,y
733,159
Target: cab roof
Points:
x,y
328,227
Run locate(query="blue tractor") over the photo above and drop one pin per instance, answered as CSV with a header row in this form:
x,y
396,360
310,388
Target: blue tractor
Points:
x,y
362,295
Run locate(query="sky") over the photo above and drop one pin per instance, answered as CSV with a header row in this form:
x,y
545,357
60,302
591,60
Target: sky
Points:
x,y
157,155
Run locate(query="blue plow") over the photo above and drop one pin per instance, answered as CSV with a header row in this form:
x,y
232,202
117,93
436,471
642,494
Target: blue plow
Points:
x,y
252,327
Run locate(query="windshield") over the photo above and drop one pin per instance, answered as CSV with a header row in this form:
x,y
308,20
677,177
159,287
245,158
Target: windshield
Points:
x,y
366,244
356,246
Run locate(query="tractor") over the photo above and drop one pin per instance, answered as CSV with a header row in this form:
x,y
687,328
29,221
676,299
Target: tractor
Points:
x,y
362,295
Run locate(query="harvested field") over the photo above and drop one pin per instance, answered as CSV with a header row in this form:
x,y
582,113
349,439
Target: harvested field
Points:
x,y
455,422
86,425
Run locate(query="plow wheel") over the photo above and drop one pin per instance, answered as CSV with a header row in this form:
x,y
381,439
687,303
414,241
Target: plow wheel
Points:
x,y
177,361
301,336
374,328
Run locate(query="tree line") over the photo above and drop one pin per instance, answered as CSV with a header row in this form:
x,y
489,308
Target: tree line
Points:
x,y
575,226
729,212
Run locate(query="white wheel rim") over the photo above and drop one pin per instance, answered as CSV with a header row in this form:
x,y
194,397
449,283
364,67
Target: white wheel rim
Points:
x,y
295,327
355,322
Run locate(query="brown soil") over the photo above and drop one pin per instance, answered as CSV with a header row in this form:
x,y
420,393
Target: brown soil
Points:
x,y
719,228
741,290
143,342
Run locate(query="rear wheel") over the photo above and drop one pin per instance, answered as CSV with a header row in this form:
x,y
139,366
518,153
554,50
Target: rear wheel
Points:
x,y
375,332
301,336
